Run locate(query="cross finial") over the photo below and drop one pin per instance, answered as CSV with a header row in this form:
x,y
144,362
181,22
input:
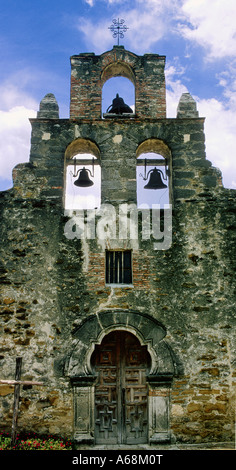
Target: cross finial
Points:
x,y
118,29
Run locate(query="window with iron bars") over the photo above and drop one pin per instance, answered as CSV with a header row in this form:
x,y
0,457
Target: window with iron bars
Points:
x,y
119,267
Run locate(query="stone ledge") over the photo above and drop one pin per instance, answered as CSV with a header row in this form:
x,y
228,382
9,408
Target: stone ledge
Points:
x,y
119,116
178,446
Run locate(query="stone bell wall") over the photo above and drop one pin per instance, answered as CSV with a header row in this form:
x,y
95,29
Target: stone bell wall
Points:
x,y
51,283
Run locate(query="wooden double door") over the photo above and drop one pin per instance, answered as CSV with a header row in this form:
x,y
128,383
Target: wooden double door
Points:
x,y
121,395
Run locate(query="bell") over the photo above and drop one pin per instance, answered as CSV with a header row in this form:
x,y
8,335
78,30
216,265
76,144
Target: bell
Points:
x,y
83,181
155,181
118,106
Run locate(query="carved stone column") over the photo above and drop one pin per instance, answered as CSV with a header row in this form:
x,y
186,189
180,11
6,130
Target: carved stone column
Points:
x,y
159,408
83,388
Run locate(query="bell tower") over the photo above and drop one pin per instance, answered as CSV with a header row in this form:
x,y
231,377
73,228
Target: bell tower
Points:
x,y
120,141
89,73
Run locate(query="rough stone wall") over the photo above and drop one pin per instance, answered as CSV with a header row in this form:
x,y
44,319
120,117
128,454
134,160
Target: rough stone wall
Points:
x,y
50,284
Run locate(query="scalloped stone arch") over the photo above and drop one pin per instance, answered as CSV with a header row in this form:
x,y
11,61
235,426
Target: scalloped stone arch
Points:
x,y
149,331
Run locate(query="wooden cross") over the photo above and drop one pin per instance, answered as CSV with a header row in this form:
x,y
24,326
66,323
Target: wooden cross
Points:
x,y
17,383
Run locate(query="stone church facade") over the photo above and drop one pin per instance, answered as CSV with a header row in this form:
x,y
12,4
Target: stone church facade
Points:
x,y
131,329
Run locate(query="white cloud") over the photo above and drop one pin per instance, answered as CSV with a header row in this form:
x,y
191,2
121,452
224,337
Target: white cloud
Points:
x,y
227,80
208,23
15,131
211,24
96,36
220,126
11,95
220,130
148,21
174,88
145,29
16,107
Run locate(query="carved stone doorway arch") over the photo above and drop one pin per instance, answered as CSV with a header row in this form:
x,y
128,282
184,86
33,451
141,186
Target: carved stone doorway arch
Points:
x,y
162,366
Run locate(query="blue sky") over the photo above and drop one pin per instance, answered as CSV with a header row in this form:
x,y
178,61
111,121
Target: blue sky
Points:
x,y
198,38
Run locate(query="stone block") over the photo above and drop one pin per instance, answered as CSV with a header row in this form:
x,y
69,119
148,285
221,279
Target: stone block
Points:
x,y
187,107
48,108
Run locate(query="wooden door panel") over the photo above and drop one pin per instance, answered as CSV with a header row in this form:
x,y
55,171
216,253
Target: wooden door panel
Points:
x,y
136,424
136,406
106,407
121,390
106,430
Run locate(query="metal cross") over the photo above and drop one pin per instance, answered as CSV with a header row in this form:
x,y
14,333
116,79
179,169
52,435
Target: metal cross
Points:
x,y
118,29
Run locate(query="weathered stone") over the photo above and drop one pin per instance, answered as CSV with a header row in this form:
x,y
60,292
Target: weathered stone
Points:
x,y
6,390
219,407
48,110
187,107
193,407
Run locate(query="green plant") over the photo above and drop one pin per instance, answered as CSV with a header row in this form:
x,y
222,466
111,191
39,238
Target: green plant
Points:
x,y
34,442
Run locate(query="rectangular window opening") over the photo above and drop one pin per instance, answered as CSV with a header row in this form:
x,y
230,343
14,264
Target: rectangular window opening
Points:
x,y
118,267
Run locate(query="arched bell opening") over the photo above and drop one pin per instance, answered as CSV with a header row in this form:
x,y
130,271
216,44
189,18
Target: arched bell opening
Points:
x,y
121,364
153,174
118,92
82,176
